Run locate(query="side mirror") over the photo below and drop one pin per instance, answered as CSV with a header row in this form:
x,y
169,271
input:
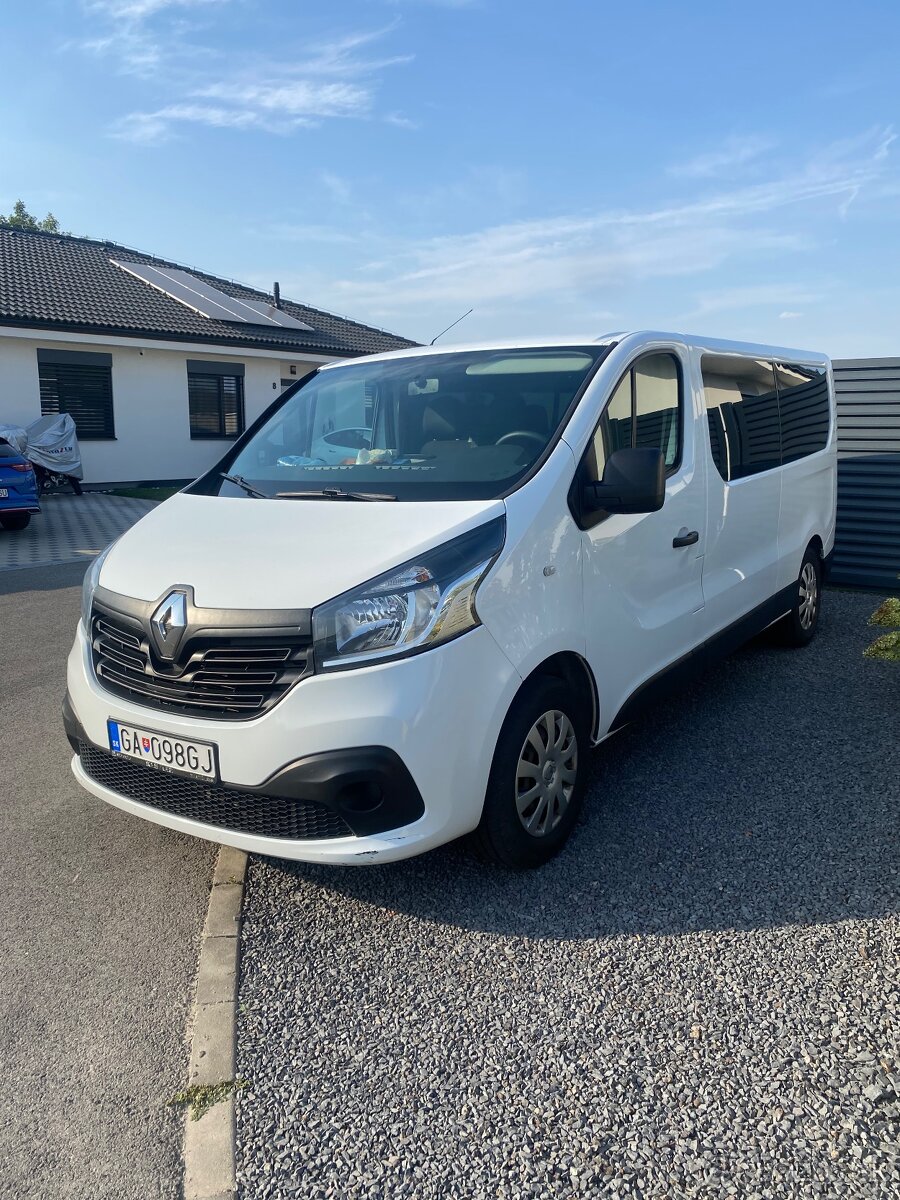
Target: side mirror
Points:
x,y
634,481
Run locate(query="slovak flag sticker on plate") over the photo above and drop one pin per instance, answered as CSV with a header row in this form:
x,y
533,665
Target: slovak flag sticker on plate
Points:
x,y
145,742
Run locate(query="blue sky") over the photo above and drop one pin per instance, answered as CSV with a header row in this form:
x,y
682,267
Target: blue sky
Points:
x,y
575,167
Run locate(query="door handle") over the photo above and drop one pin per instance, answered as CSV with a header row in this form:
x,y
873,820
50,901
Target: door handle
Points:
x,y
685,538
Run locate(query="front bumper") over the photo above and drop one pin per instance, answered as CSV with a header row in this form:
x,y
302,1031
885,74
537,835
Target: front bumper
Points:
x,y
347,793
398,753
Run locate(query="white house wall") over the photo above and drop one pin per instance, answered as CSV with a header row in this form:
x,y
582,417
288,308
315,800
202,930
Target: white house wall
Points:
x,y
150,405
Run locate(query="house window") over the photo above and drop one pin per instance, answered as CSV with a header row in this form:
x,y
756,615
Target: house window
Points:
x,y
79,384
216,399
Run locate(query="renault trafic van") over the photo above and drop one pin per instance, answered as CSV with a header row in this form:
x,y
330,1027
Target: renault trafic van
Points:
x,y
422,586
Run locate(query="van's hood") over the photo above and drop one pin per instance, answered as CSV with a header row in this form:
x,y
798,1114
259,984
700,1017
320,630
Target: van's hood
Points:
x,y
246,553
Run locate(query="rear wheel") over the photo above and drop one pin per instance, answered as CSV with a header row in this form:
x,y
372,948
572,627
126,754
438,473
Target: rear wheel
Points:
x,y
536,785
13,521
799,627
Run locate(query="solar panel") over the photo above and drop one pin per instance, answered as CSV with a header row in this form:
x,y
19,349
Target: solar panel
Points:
x,y
208,301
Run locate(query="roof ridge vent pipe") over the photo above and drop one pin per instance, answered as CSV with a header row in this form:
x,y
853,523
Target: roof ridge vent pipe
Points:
x,y
276,292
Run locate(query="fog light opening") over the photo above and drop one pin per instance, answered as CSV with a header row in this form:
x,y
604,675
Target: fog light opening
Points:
x,y
362,797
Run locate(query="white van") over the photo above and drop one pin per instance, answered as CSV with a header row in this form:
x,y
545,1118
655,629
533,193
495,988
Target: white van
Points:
x,y
506,552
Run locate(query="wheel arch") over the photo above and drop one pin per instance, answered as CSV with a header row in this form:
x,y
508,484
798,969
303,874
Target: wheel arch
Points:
x,y
575,671
816,542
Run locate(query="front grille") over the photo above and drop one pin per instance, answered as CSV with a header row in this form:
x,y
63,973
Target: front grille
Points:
x,y
213,804
221,676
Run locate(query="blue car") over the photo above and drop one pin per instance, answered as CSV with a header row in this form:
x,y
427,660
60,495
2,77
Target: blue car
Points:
x,y
18,488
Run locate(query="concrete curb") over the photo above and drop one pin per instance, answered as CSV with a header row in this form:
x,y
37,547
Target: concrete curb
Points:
x,y
209,1172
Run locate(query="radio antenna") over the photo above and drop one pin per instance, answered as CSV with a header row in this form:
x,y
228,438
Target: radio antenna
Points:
x,y
449,327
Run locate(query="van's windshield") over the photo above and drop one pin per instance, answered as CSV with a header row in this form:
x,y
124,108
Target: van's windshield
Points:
x,y
465,425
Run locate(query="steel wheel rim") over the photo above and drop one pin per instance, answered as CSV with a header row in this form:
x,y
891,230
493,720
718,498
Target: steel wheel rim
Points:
x,y
546,773
809,595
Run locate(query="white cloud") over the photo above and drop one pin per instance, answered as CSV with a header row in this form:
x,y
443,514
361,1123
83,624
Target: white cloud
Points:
x,y
789,316
272,105
152,128
294,100
338,187
569,263
340,55
401,121
131,37
734,154
138,10
436,3
332,79
318,234
759,298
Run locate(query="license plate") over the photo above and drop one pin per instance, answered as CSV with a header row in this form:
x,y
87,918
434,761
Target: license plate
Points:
x,y
4,492
162,750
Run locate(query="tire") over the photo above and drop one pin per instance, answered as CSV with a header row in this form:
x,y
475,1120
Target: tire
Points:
x,y
14,521
545,713
799,627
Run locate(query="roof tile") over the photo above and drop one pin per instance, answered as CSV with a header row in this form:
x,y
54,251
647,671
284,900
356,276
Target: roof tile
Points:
x,y
53,281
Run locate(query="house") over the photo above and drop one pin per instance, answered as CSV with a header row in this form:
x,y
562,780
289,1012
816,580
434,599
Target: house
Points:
x,y
159,365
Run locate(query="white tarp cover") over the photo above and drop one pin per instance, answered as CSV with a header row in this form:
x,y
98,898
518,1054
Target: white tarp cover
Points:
x,y
53,444
16,436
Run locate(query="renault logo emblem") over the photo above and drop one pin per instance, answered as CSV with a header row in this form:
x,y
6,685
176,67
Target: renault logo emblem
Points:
x,y
168,623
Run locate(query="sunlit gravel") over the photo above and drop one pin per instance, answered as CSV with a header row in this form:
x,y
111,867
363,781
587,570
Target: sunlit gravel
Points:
x,y
698,998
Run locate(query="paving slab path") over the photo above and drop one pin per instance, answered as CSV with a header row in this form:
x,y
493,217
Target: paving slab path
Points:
x,y
70,529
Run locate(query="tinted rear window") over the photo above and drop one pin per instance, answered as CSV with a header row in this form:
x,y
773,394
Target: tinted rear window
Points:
x,y
805,411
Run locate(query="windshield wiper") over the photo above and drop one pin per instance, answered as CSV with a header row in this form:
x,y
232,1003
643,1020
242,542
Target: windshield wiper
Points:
x,y
242,483
333,493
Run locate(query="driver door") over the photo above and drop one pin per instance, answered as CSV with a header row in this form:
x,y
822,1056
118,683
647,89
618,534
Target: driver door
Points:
x,y
643,598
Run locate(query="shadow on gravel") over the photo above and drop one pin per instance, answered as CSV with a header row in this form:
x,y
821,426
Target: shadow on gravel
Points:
x,y
766,795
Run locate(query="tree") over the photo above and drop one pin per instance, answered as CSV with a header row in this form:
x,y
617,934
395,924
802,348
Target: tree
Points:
x,y
21,218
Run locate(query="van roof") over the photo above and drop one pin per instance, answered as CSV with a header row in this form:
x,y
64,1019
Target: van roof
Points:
x,y
634,339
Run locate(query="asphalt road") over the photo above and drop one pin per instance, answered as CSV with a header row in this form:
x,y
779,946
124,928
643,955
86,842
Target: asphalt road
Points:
x,y
99,932
698,998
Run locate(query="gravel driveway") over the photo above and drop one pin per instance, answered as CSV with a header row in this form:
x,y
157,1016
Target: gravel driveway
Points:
x,y
698,998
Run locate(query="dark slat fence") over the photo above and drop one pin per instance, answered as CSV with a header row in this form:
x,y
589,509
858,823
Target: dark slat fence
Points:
x,y
867,543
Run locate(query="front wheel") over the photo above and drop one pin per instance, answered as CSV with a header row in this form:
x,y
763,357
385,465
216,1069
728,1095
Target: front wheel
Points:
x,y
799,627
537,780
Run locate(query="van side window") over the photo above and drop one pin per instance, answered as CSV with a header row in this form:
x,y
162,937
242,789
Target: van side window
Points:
x,y
656,405
644,410
613,431
742,414
805,411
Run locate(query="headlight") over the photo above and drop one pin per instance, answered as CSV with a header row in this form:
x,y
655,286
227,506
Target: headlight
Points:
x,y
91,579
420,604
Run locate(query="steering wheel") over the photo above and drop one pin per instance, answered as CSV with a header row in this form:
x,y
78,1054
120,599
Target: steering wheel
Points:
x,y
517,434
